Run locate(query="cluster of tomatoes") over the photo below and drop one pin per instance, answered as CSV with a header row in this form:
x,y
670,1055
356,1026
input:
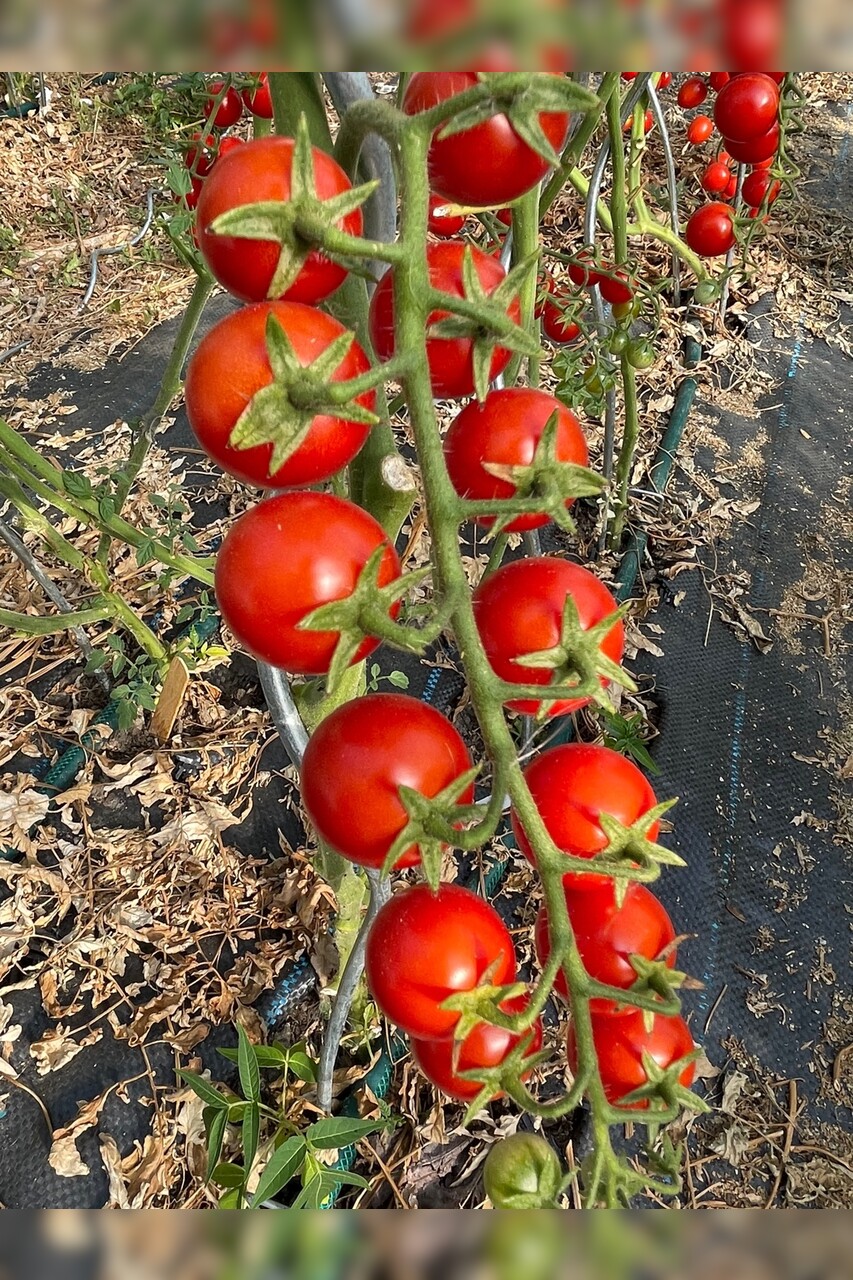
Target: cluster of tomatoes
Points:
x,y
222,109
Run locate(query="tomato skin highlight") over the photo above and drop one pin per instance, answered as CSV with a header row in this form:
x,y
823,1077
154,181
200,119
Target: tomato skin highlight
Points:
x,y
486,165
356,760
572,786
286,557
424,947
231,365
620,1044
505,429
519,609
692,93
485,1046
450,359
710,231
747,107
260,171
607,935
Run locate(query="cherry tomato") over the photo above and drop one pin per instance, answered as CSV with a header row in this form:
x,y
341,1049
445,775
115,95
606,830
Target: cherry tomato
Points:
x,y
556,325
757,185
504,216
752,32
717,79
201,154
190,198
763,164
692,93
616,288
450,359
581,274
260,171
608,935
648,123
355,762
640,353
572,786
488,164
723,156
629,75
522,1171
716,178
229,110
519,610
747,107
731,187
286,557
259,99
757,149
664,80
504,430
699,130
620,1044
443,224
710,232
231,365
228,144
424,947
484,1046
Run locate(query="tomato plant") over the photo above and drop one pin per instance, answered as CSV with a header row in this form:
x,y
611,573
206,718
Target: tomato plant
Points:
x,y
622,1042
484,1046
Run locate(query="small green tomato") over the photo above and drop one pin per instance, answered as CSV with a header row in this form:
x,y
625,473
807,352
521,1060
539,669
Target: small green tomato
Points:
x,y
640,353
522,1172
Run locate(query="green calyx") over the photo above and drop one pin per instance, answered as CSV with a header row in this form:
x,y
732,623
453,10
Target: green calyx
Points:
x,y
430,826
578,661
663,1090
630,854
298,225
282,412
483,1004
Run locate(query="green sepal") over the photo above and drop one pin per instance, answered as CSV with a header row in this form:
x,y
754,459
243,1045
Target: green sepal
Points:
x,y
630,847
579,654
662,1087
495,1079
430,825
482,1004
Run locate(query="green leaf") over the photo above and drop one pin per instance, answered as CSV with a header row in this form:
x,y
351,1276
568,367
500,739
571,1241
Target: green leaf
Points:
x,y
215,1135
232,1199
339,1131
227,1175
107,506
301,1066
266,1055
145,552
247,1065
312,1194
204,1090
347,1177
76,484
251,1133
399,679
96,660
282,1165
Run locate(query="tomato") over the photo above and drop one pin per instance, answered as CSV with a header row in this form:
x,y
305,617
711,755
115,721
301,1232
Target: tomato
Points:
x,y
757,185
581,274
699,130
228,144
201,154
616,288
640,353
256,172
228,111
723,156
484,1046
556,325
692,93
716,178
489,164
648,123
259,99
664,80
629,75
747,107
450,359
424,947
756,149
505,430
717,79
231,365
286,557
443,224
752,32
504,216
523,1171
710,230
355,762
608,935
571,787
190,198
519,610
731,188
620,1044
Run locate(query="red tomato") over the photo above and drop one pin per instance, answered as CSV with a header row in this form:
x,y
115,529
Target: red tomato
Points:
x,y
756,149
259,99
747,107
763,164
228,144
581,274
731,188
620,1044
710,231
190,198
757,185
230,108
723,157
231,365
424,947
286,557
556,326
616,288
699,130
484,1046
443,224
692,93
505,430
201,154
752,32
504,216
629,75
260,171
357,759
519,610
608,935
489,164
717,79
664,79
571,787
716,178
648,123
450,359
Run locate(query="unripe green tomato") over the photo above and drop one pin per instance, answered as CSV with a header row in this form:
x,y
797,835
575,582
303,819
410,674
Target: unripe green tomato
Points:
x,y
640,353
524,1247
625,310
522,1172
618,341
706,292
592,382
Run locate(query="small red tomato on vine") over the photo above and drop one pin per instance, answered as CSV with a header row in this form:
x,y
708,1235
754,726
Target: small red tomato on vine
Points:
x,y
229,109
443,224
757,186
692,93
757,149
664,79
582,271
699,130
710,232
201,154
556,324
484,1046
620,1044
227,145
716,178
747,107
258,100
717,79
648,123
616,288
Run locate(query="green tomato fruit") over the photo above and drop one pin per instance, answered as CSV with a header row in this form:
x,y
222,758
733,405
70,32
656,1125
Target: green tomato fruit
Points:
x,y
522,1172
618,341
706,292
640,353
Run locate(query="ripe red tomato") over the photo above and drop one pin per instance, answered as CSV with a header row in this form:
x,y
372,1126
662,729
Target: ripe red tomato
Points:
x,y
260,171
581,274
504,216
620,1044
608,935
716,178
451,363
710,230
505,430
231,365
752,32
190,198
556,326
443,224
357,759
571,787
757,185
286,557
489,164
484,1046
201,154
664,79
717,79
692,93
757,149
747,107
648,123
699,130
731,188
259,99
629,75
616,288
228,144
424,947
519,610
229,110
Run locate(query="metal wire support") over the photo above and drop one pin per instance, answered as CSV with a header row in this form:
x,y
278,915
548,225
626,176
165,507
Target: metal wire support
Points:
x,y
380,892
282,708
118,248
730,256
671,185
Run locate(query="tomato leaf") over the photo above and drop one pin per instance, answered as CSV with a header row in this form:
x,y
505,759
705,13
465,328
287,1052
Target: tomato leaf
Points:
x,y
251,1133
282,1165
339,1131
215,1137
